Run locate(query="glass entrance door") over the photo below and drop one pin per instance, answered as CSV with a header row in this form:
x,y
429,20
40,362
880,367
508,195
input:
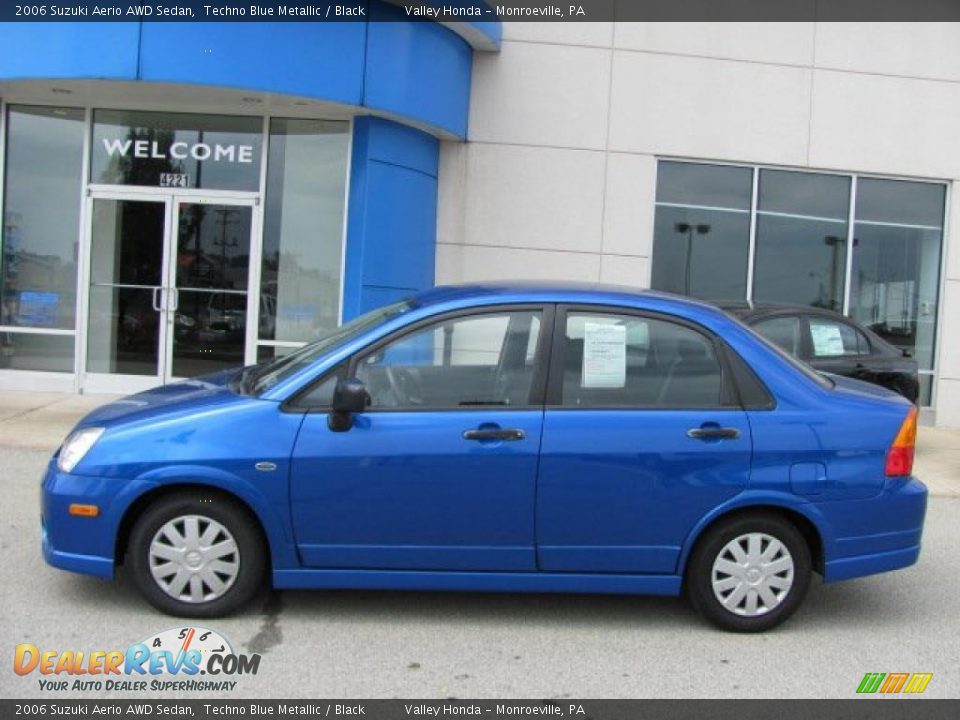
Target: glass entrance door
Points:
x,y
168,284
210,281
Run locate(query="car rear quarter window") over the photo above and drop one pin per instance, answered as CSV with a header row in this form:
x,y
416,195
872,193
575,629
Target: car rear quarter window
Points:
x,y
612,360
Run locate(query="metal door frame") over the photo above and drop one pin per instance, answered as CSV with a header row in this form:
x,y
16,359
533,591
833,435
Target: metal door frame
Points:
x,y
167,295
170,275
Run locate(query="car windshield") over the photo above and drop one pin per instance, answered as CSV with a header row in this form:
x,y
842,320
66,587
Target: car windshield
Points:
x,y
257,379
818,377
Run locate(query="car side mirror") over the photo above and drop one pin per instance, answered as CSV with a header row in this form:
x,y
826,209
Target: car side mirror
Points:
x,y
907,352
349,397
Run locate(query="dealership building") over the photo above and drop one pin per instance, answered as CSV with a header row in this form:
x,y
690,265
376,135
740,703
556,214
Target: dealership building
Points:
x,y
182,197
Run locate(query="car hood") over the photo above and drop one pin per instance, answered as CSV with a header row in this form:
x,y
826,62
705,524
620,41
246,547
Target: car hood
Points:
x,y
186,396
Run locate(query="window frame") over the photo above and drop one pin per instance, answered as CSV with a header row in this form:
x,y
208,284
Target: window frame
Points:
x,y
346,368
730,398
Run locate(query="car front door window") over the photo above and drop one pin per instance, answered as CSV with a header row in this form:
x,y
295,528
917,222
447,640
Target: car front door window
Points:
x,y
474,361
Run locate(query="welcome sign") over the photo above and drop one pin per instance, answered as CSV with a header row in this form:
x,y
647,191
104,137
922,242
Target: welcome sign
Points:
x,y
218,152
179,150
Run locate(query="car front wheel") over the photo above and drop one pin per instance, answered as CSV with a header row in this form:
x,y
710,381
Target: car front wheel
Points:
x,y
194,554
750,573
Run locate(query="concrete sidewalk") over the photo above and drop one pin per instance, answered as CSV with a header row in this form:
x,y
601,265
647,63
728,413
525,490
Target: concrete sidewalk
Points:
x,y
40,421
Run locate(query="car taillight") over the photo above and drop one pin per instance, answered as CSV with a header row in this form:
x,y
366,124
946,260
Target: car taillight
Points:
x,y
900,454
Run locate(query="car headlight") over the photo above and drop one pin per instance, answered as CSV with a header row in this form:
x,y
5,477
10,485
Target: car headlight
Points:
x,y
76,446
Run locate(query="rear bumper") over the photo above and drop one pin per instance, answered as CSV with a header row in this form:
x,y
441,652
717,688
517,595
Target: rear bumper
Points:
x,y
876,535
860,565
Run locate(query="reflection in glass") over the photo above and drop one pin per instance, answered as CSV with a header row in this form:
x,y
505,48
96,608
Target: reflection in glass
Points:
x,y
702,230
896,266
209,332
303,229
34,351
38,278
265,353
219,152
212,270
801,238
126,261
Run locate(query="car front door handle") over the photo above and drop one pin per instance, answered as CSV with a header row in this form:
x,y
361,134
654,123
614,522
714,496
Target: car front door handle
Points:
x,y
494,434
713,433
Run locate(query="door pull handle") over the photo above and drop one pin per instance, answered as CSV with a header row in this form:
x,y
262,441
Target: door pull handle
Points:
x,y
713,433
155,300
494,434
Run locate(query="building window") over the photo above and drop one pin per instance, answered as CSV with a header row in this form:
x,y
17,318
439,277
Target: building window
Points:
x,y
177,150
302,230
702,230
790,232
38,276
895,279
801,255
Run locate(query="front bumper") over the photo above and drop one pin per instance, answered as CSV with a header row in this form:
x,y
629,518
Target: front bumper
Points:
x,y
876,535
83,544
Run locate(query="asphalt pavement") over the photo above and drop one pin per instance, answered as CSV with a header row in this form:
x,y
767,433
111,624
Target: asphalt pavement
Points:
x,y
421,645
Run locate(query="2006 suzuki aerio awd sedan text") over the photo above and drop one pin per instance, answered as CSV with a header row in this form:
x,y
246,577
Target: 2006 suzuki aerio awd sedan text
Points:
x,y
512,437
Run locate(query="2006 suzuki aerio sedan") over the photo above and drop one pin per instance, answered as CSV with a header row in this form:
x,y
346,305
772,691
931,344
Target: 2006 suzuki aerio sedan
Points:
x,y
499,438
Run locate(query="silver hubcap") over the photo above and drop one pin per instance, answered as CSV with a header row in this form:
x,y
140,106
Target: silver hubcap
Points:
x,y
194,559
752,574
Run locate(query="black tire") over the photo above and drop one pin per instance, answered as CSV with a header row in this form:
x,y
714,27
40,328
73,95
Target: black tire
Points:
x,y
234,517
699,580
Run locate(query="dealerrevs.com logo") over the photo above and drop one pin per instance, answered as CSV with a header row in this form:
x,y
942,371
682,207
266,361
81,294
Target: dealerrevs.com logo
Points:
x,y
894,683
179,659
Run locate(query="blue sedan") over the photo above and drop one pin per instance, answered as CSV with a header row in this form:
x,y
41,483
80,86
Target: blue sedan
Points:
x,y
508,437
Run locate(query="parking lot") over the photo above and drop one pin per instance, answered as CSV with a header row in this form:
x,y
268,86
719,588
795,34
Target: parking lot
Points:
x,y
367,644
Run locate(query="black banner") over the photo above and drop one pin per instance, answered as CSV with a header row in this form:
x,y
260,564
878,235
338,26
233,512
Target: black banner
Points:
x,y
478,10
861,709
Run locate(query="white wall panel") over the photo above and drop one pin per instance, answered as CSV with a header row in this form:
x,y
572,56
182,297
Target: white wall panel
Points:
x,y
789,43
623,270
948,403
629,207
456,263
884,124
918,49
672,105
534,197
598,34
541,95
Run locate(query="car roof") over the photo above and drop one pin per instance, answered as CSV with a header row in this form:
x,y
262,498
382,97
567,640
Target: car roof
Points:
x,y
745,309
554,291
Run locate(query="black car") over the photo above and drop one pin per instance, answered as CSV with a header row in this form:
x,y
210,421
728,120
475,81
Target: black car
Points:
x,y
833,343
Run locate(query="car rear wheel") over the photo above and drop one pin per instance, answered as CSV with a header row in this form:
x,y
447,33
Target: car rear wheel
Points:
x,y
750,573
197,555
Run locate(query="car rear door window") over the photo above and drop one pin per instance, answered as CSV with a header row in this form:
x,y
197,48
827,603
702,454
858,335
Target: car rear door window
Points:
x,y
782,331
624,361
835,338
475,361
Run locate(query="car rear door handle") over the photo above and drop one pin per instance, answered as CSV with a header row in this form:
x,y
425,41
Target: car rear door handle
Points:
x,y
713,433
494,434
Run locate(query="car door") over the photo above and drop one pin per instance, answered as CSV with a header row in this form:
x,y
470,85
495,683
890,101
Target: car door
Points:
x,y
642,437
439,473
837,347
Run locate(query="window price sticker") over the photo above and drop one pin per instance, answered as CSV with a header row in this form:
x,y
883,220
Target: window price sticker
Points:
x,y
826,340
604,355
